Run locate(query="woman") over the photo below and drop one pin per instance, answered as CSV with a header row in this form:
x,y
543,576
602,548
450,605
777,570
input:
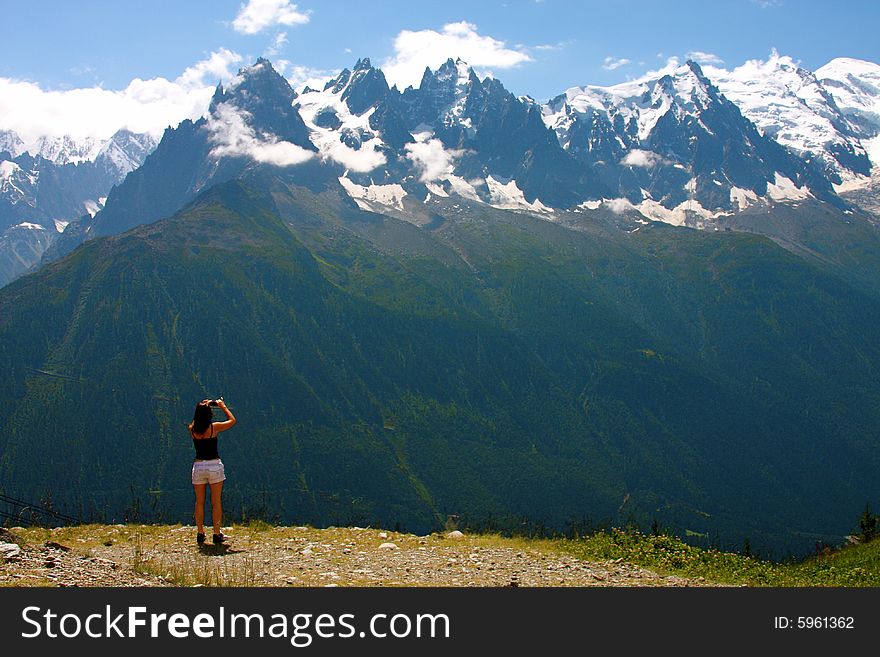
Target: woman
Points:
x,y
207,467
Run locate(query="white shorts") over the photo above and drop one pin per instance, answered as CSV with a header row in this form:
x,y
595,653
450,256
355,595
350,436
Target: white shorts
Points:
x,y
208,472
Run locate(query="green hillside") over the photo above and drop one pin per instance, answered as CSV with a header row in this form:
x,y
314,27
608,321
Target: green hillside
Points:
x,y
494,366
854,565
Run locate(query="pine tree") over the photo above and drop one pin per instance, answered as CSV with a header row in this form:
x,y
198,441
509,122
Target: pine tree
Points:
x,y
868,525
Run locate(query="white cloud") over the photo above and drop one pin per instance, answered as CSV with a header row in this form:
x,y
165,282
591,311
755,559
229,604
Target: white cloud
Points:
x,y
94,112
639,158
231,135
619,205
277,45
300,77
612,63
672,63
431,158
362,160
218,66
560,45
414,51
257,15
704,57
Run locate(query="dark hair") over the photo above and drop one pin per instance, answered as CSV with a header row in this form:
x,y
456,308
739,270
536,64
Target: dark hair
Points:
x,y
202,418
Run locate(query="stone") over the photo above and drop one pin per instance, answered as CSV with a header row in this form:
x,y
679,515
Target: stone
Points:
x,y
383,534
455,534
57,546
9,551
388,546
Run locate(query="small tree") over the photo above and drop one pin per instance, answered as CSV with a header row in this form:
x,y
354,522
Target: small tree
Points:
x,y
868,525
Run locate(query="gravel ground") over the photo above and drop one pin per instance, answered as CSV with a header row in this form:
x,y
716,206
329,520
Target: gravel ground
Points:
x,y
301,556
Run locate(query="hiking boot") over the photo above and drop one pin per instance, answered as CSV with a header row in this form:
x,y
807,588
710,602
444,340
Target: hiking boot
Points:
x,y
200,538
218,538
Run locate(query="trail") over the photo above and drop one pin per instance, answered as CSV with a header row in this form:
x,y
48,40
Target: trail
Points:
x,y
132,555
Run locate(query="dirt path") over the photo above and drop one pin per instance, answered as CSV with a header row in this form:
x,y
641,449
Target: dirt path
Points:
x,y
133,555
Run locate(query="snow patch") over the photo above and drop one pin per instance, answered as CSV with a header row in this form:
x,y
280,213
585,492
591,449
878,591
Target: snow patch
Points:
x,y
655,211
92,207
742,198
29,226
785,190
367,156
61,225
851,183
677,216
462,187
436,190
385,195
508,196
8,169
872,146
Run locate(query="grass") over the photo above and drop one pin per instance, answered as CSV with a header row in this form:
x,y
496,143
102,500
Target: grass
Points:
x,y
201,568
852,566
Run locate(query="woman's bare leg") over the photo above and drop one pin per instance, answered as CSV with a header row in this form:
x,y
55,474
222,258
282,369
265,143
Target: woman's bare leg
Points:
x,y
216,505
200,507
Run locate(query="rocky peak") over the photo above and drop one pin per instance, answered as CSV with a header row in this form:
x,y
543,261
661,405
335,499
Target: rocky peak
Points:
x,y
365,88
266,99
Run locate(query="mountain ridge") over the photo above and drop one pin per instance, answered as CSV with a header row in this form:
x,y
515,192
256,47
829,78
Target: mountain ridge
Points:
x,y
47,186
446,363
696,160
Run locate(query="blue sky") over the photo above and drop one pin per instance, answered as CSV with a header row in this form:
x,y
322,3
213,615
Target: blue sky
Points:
x,y
536,47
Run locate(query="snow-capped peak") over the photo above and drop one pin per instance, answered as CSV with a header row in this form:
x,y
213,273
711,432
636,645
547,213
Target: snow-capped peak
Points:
x,y
790,104
341,134
855,86
125,151
640,102
11,143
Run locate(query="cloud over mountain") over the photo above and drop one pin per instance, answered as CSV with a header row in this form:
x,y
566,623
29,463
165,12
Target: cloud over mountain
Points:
x,y
416,50
232,136
144,106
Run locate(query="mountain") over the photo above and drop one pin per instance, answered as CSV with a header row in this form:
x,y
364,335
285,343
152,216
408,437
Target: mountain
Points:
x,y
251,120
855,86
672,147
52,182
678,149
794,107
495,366
454,134
441,301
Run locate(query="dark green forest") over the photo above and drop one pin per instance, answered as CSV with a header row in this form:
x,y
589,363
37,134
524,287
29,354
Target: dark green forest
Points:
x,y
494,366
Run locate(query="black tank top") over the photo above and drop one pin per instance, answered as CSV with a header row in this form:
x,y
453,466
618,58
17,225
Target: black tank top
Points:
x,y
206,448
